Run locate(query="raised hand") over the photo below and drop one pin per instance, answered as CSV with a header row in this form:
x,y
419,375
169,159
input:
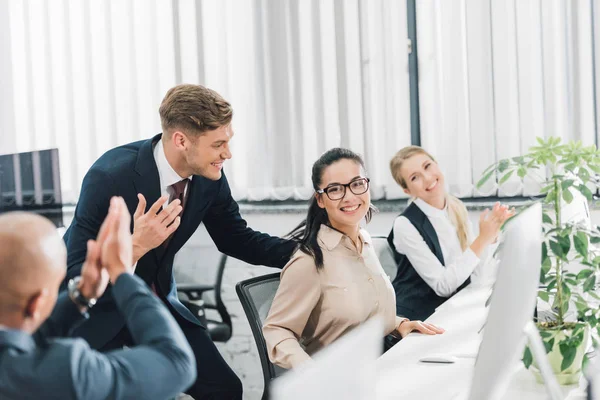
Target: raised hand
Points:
x,y
117,249
94,278
152,228
491,222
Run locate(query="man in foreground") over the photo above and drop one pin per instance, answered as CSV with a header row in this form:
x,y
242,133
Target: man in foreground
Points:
x,y
37,362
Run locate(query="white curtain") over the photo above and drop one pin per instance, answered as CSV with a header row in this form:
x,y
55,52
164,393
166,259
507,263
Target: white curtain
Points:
x,y
302,76
494,74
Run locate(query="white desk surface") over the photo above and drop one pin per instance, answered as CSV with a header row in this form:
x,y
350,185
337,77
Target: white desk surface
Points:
x,y
401,375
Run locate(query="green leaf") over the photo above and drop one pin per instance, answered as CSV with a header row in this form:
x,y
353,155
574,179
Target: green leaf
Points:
x,y
581,304
546,266
506,177
527,357
584,273
544,296
485,178
595,239
581,243
556,249
566,184
589,283
546,188
568,353
565,243
566,194
584,174
550,196
596,296
585,191
549,345
503,165
546,218
546,334
522,172
594,167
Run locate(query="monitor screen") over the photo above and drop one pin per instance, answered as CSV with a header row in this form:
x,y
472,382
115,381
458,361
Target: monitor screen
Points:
x,y
31,182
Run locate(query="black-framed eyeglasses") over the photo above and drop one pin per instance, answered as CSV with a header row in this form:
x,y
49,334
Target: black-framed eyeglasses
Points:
x,y
337,191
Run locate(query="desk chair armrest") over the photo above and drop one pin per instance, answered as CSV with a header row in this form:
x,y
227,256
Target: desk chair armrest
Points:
x,y
194,291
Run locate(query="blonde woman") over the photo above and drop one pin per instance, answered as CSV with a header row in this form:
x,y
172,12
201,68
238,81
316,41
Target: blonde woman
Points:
x,y
432,239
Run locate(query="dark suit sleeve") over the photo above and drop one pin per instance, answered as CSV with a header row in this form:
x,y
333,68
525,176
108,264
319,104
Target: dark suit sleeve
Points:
x,y
232,236
92,207
160,366
64,318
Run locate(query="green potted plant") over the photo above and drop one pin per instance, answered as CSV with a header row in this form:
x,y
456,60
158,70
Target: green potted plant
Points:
x,y
562,170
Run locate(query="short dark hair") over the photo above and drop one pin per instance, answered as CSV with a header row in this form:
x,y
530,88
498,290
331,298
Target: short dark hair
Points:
x,y
194,109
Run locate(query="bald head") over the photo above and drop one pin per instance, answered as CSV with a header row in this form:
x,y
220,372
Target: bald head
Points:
x,y
32,258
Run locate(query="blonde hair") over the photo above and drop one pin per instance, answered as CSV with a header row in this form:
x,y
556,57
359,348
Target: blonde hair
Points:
x,y
456,209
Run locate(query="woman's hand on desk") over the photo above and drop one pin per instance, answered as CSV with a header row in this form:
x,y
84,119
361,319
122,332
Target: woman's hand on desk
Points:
x,y
408,326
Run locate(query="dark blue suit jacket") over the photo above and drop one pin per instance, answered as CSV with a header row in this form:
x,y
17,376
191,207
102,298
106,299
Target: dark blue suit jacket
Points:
x,y
131,169
50,366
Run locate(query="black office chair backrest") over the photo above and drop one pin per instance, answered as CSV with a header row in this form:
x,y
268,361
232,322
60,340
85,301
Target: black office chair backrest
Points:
x,y
256,295
385,255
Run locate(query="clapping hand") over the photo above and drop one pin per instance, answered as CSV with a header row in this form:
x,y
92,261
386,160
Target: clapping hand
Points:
x,y
491,222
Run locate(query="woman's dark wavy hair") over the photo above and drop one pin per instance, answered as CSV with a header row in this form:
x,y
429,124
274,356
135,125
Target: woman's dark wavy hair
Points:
x,y
306,233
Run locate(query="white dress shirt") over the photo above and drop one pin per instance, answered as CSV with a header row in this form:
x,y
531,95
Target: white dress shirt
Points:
x,y
166,173
459,265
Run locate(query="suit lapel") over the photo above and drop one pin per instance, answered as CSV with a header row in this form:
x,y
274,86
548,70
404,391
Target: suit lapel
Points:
x,y
147,181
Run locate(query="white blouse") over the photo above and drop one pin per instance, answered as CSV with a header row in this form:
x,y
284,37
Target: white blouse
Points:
x,y
459,264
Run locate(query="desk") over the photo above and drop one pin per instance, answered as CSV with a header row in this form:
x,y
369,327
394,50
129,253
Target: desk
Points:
x,y
401,375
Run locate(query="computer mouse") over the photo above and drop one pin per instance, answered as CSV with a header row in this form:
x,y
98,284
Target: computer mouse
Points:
x,y
439,359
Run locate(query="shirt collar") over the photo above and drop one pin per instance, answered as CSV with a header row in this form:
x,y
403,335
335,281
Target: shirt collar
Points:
x,y
167,174
16,339
430,210
331,237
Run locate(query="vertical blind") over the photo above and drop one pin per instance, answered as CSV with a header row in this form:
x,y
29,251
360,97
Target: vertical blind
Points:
x,y
494,74
302,76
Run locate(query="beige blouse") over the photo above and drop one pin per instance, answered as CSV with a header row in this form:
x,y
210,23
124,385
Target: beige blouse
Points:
x,y
314,308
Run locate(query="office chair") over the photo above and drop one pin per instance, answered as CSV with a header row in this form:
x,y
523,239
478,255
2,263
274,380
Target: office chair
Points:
x,y
256,295
196,302
386,255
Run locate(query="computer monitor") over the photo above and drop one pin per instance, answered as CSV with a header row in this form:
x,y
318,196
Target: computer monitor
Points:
x,y
31,182
511,307
343,370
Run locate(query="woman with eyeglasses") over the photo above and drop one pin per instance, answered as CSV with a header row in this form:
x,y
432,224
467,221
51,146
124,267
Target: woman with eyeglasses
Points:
x,y
334,281
432,240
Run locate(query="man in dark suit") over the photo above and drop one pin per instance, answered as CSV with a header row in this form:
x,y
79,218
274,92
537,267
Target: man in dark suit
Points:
x,y
180,171
36,360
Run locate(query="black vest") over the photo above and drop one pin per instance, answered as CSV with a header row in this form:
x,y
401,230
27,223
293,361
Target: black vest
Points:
x,y
415,299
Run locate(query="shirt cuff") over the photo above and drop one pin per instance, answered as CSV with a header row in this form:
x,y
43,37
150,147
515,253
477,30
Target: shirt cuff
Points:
x,y
288,354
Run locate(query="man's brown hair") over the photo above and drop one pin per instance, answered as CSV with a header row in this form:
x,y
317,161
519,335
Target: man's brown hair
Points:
x,y
193,109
